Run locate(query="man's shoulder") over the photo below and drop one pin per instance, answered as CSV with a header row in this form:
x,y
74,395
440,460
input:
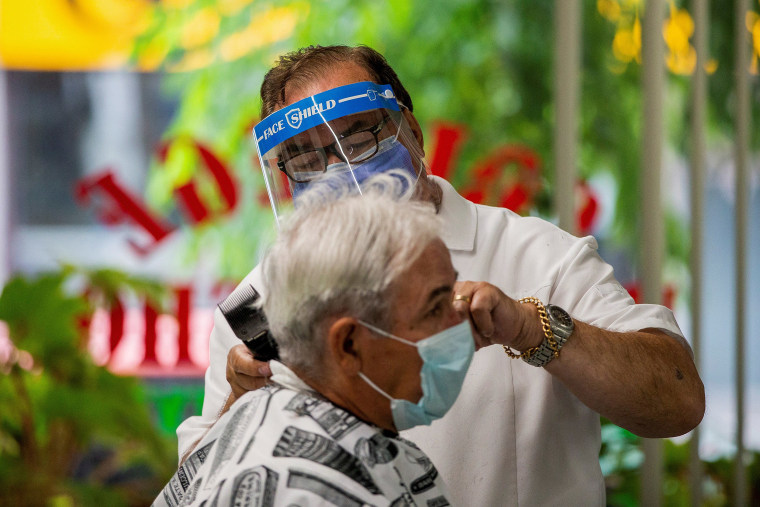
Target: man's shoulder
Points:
x,y
494,218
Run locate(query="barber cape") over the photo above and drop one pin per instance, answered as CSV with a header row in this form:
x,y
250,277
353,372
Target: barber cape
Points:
x,y
286,445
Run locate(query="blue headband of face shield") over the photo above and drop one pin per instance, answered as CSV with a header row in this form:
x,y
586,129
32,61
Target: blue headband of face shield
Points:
x,y
321,108
298,139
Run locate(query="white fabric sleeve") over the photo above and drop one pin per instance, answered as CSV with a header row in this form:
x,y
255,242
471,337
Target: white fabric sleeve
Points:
x,y
597,298
217,389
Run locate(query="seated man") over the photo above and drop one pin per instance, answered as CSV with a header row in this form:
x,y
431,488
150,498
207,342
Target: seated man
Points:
x,y
360,303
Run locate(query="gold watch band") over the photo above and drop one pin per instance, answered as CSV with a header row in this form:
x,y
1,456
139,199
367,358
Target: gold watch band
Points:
x,y
526,354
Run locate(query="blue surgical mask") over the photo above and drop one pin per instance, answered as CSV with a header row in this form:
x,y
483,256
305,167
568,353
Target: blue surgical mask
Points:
x,y
446,357
391,154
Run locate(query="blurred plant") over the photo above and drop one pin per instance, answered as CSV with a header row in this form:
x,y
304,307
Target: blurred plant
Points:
x,y
215,54
621,458
677,29
482,64
753,25
72,433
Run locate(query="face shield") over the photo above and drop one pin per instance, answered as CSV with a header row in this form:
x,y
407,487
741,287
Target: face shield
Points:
x,y
349,133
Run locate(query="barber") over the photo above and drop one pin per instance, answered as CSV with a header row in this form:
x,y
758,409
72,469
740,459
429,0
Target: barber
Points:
x,y
569,344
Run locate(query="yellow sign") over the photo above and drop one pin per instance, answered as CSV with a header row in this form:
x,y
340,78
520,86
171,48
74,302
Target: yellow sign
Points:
x,y
69,34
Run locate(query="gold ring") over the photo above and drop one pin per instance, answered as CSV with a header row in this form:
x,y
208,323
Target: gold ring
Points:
x,y
462,297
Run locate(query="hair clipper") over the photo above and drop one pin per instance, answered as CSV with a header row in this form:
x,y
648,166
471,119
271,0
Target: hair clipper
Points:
x,y
249,323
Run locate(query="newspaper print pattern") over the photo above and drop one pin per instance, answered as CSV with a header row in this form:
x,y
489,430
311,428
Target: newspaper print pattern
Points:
x,y
254,488
426,480
328,491
298,449
230,440
271,390
335,421
175,490
297,443
215,501
377,449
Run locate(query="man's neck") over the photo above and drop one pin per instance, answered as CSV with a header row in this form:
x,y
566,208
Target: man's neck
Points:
x,y
347,397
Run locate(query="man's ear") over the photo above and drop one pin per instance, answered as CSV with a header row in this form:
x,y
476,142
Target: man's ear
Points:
x,y
415,126
343,344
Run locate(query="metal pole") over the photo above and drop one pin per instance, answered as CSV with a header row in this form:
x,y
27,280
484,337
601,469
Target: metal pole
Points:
x,y
5,182
742,127
567,63
698,150
652,235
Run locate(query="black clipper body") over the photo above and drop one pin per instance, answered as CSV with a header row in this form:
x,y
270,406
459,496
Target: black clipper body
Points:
x,y
249,323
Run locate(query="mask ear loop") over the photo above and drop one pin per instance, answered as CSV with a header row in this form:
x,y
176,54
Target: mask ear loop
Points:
x,y
374,386
386,334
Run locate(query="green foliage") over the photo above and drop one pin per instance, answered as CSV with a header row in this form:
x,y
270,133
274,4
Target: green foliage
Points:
x,y
174,400
70,431
621,459
721,96
484,64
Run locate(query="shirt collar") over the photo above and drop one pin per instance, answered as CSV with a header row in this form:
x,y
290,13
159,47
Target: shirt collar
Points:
x,y
460,217
284,376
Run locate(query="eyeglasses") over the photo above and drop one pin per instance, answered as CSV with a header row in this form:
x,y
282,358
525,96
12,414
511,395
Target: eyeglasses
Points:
x,y
352,148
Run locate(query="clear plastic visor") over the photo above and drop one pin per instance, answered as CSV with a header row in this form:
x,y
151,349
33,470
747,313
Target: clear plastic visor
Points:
x,y
349,149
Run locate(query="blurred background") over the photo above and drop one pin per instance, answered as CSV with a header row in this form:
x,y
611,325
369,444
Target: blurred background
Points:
x,y
131,202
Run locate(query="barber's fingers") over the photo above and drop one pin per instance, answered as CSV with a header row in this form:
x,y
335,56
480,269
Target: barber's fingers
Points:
x,y
463,294
477,301
244,372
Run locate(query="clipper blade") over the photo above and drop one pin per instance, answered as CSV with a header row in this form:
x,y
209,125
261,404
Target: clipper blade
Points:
x,y
248,322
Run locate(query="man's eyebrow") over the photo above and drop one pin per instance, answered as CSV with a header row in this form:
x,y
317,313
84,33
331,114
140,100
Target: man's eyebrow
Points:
x,y
294,147
443,289
357,124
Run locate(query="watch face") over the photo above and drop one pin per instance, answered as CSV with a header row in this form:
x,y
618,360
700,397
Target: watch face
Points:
x,y
561,316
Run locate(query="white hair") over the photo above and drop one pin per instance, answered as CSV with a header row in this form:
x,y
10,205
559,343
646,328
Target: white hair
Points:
x,y
337,254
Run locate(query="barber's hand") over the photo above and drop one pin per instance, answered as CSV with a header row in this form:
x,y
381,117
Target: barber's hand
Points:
x,y
244,372
496,318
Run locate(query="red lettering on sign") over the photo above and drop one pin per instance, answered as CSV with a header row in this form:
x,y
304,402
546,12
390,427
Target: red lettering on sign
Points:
x,y
588,208
183,319
116,314
669,293
492,184
120,206
151,315
447,139
188,195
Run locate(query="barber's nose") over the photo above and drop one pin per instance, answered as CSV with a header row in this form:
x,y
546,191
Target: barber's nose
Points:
x,y
333,154
332,158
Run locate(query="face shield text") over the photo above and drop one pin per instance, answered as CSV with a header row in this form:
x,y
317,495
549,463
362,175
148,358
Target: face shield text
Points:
x,y
296,115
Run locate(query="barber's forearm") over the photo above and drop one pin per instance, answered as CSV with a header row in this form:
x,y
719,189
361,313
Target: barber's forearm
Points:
x,y
643,381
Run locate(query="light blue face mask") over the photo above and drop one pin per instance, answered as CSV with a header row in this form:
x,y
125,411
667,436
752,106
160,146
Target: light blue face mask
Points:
x,y
391,154
446,357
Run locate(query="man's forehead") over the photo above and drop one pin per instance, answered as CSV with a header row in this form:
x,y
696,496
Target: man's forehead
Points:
x,y
428,276
341,74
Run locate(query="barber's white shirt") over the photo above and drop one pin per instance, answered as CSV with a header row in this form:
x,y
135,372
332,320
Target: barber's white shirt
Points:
x,y
516,435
